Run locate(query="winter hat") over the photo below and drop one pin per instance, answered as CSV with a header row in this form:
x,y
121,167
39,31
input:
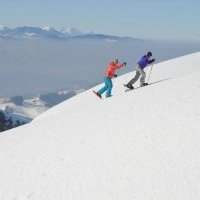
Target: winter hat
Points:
x,y
116,60
149,54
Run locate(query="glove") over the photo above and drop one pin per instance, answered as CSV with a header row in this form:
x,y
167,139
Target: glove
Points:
x,y
115,75
151,61
124,63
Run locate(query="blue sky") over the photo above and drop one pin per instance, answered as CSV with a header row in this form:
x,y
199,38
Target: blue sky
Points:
x,y
167,19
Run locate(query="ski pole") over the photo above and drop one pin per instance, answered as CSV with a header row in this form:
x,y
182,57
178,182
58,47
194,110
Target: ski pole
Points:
x,y
150,73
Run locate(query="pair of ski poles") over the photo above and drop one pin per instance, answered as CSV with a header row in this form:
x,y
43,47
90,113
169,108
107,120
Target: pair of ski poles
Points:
x,y
150,73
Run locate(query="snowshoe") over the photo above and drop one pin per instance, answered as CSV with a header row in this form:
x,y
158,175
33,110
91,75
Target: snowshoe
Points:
x,y
144,84
97,94
129,86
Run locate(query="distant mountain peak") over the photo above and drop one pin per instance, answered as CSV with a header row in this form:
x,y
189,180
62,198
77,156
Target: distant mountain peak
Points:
x,y
47,32
2,27
47,28
71,31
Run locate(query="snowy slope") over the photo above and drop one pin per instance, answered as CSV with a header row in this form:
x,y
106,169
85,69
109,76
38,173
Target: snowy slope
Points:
x,y
141,145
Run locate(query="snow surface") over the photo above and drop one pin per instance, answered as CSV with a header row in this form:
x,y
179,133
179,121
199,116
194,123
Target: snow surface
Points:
x,y
142,144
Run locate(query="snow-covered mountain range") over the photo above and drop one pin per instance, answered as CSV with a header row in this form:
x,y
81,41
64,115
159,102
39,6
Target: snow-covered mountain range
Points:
x,y
142,144
19,109
29,32
24,113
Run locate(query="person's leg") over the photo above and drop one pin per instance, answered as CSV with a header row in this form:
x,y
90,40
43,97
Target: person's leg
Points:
x,y
103,89
110,86
133,80
143,76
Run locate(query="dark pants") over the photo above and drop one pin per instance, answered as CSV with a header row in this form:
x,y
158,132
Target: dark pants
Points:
x,y
139,72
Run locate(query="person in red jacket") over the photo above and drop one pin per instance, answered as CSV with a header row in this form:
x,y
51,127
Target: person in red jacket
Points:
x,y
110,73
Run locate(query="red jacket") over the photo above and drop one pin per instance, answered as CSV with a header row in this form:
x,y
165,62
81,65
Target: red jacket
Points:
x,y
112,67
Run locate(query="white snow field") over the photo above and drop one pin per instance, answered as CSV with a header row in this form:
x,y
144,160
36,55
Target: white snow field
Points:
x,y
137,145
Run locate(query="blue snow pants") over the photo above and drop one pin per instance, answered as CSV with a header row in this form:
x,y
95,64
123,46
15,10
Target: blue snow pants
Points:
x,y
108,87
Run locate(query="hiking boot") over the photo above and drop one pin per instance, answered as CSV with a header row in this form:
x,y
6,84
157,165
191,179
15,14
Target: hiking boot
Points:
x,y
129,86
108,95
144,84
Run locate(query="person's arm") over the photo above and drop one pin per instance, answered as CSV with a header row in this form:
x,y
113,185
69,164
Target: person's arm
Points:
x,y
118,66
151,61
